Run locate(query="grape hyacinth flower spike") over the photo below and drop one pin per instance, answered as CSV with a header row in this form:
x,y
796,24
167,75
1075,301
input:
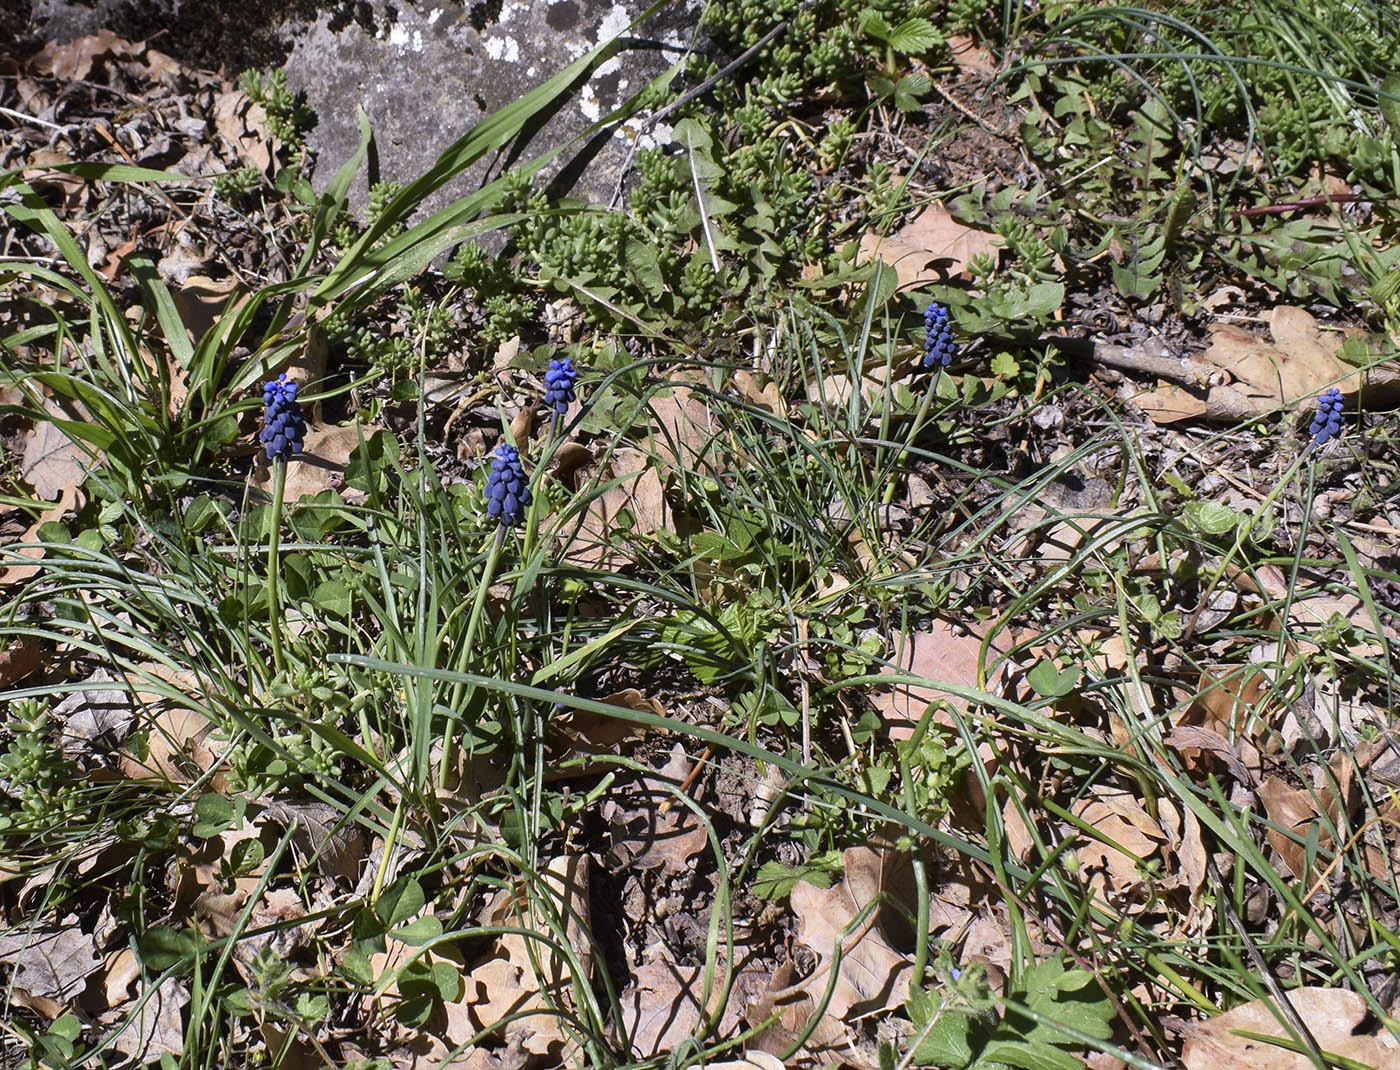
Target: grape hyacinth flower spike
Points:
x,y
284,427
559,382
939,347
283,435
507,489
1327,424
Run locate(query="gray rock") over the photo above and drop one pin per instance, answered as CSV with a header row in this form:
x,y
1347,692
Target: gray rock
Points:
x,y
425,71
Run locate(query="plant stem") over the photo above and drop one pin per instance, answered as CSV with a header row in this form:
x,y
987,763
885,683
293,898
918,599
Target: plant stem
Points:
x,y
919,418
469,641
274,539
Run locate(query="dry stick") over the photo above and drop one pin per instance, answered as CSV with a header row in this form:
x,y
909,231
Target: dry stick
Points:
x,y
1295,206
1261,967
688,96
1178,369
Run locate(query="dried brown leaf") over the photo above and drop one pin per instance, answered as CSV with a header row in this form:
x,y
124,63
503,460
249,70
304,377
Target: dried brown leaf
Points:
x,y
932,237
321,463
52,961
1292,811
872,973
942,653
158,1027
73,60
21,656
243,125
1332,1015
53,462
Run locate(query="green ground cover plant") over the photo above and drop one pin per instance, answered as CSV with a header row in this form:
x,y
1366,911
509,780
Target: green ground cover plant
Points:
x,y
757,649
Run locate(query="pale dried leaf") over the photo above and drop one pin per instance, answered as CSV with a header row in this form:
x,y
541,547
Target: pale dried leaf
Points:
x,y
658,832
54,463
1292,811
53,961
177,739
1170,404
72,61
932,237
321,463
19,658
640,492
970,59
940,653
661,1007
871,971
507,982
17,572
244,125
158,1027
1332,1015
338,846
683,428
1113,868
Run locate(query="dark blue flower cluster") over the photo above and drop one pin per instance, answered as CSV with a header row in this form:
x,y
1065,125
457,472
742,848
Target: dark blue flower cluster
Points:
x,y
939,347
1328,421
559,384
284,428
507,489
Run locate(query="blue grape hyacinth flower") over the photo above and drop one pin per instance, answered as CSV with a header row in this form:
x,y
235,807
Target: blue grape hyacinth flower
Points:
x,y
1327,424
559,385
284,427
507,489
939,346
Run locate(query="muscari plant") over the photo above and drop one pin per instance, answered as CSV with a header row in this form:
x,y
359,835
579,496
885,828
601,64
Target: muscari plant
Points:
x,y
283,437
1327,423
940,349
508,496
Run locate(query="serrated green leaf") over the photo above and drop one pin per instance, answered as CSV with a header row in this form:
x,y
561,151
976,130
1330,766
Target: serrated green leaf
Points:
x,y
953,1035
776,880
1005,366
874,24
914,37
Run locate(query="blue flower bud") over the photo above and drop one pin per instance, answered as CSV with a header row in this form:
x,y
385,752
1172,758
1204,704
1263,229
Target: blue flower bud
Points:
x,y
1327,424
507,490
284,428
559,382
939,347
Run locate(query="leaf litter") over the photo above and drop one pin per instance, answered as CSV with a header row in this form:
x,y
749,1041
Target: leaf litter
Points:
x,y
1224,731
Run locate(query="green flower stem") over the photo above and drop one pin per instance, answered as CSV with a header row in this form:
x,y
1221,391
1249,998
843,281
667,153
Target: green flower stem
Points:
x,y
919,419
390,837
473,623
274,540
916,857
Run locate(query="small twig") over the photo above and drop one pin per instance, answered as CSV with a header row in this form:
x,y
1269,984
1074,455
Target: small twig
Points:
x,y
1178,369
690,779
1296,206
33,119
689,95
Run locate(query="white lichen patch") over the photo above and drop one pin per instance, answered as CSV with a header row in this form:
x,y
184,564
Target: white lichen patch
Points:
x,y
503,48
434,15
403,40
631,132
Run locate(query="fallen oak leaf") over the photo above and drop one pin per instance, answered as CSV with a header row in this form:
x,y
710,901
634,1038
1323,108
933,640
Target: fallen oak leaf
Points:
x,y
932,237
1332,1015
